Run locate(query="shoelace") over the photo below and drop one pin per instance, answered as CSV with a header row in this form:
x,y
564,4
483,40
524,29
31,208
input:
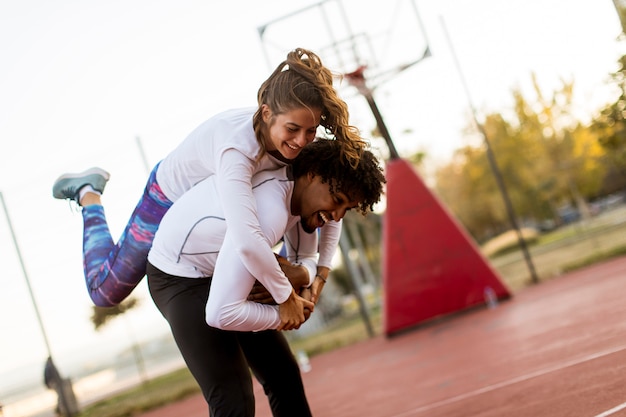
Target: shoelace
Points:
x,y
73,205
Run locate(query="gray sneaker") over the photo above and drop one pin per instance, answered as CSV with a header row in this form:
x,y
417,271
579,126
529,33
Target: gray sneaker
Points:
x,y
68,185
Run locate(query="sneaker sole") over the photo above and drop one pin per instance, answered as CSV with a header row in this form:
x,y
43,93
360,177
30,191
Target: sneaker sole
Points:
x,y
90,171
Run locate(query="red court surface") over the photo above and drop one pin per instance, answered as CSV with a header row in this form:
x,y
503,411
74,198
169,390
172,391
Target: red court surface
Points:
x,y
554,349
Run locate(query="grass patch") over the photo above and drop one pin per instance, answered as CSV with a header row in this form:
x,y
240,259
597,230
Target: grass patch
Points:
x,y
595,258
558,235
154,393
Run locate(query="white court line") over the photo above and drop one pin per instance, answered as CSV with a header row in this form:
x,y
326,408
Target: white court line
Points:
x,y
512,381
612,410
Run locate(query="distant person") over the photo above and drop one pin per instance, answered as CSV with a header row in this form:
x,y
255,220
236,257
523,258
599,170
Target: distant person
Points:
x,y
234,145
183,265
52,379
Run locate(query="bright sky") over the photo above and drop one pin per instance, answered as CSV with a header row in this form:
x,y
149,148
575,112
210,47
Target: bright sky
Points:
x,y
81,80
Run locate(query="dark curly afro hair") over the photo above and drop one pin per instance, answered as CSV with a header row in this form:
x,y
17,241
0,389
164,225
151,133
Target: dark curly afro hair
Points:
x,y
363,182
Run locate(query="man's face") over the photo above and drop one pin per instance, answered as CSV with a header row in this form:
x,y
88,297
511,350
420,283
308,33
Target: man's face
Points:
x,y
318,205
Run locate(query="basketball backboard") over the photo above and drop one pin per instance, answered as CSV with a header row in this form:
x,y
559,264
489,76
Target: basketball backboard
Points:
x,y
384,36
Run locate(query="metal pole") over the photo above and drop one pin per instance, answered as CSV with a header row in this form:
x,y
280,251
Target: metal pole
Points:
x,y
142,153
30,289
382,127
353,272
139,361
357,79
62,391
494,165
352,228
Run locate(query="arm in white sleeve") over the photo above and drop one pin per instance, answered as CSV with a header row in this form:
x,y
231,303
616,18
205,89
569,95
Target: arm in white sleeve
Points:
x,y
227,307
234,174
301,249
329,239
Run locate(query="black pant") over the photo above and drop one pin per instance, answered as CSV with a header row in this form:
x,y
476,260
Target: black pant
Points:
x,y
219,359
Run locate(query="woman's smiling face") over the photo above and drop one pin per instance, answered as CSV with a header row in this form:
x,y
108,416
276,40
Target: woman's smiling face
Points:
x,y
291,131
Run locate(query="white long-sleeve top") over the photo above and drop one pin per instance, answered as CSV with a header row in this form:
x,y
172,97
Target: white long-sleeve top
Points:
x,y
226,146
193,232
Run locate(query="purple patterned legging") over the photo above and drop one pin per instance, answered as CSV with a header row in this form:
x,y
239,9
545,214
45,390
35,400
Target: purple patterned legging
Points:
x,y
112,271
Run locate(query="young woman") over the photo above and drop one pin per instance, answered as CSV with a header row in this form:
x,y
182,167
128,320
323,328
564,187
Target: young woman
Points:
x,y
233,145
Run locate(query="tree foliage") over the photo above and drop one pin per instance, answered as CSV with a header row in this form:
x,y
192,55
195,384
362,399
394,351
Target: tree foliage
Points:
x,y
102,315
546,158
610,125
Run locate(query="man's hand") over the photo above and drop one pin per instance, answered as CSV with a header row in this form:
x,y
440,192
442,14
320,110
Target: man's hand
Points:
x,y
298,277
292,312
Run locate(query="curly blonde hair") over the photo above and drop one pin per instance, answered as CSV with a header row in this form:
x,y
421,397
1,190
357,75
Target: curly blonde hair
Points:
x,y
301,80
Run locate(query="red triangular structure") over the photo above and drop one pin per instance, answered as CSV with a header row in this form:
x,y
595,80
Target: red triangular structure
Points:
x,y
431,266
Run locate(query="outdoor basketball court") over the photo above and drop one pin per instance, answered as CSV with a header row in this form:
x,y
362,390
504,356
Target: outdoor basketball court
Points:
x,y
554,349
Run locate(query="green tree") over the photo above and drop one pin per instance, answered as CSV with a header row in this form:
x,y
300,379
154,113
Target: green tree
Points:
x,y
546,158
103,315
610,124
468,188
